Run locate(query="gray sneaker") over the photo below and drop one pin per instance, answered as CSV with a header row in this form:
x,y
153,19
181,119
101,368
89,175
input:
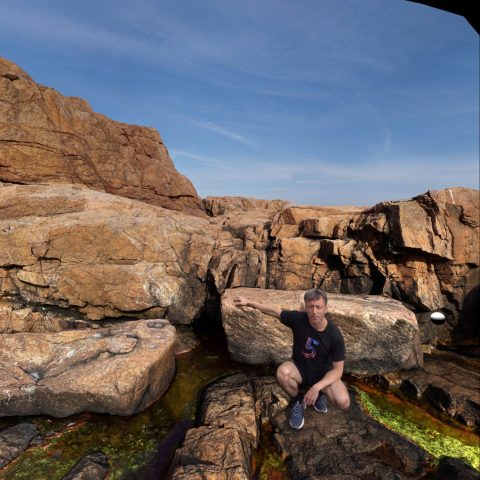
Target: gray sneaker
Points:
x,y
296,416
321,404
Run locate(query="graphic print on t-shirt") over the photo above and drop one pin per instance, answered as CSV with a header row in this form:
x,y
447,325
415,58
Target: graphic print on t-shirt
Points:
x,y
308,350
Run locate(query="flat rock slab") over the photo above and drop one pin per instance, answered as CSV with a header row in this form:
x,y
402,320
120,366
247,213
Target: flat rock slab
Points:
x,y
14,441
38,320
102,255
117,370
450,383
348,444
381,335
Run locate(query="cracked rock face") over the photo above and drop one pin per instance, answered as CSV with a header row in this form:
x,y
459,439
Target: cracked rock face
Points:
x,y
423,251
17,320
117,370
104,255
449,382
46,137
381,335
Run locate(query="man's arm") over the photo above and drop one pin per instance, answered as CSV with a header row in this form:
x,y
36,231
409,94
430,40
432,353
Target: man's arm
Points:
x,y
330,377
264,308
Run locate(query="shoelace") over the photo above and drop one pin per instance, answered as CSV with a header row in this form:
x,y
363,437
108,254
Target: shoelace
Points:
x,y
297,408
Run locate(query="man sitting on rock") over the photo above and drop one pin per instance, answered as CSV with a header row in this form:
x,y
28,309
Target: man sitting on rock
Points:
x,y
315,371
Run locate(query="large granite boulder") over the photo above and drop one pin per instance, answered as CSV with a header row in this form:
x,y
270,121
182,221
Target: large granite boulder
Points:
x,y
381,335
107,256
118,370
46,137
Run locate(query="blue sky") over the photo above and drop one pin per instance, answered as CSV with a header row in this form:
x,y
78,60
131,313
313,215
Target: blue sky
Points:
x,y
323,102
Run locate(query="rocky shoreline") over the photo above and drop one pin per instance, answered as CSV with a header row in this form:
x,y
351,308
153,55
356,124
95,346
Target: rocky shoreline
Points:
x,y
337,445
107,253
227,433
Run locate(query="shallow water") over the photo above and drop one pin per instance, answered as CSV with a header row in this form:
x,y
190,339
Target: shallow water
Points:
x,y
140,446
132,444
437,437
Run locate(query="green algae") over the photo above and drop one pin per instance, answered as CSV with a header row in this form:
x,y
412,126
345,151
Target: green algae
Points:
x,y
437,438
273,468
130,443
267,463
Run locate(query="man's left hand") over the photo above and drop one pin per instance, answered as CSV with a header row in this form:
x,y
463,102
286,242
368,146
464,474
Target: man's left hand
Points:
x,y
311,396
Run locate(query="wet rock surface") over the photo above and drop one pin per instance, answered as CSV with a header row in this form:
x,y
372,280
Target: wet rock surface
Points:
x,y
14,441
380,334
347,444
448,382
91,467
453,468
186,339
119,370
337,445
224,448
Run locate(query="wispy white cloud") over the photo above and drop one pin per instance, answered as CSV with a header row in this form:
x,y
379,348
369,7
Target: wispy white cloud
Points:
x,y
393,169
387,134
225,132
260,40
59,28
199,159
372,181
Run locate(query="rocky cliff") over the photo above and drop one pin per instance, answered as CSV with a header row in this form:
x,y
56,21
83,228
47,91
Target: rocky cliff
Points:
x,y
423,251
46,137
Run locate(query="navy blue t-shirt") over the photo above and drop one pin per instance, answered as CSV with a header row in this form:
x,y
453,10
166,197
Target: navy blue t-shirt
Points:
x,y
313,351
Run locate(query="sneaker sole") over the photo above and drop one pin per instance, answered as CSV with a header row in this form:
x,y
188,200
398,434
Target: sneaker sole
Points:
x,y
297,428
320,411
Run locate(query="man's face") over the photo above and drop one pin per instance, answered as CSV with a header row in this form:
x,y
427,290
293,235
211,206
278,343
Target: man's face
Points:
x,y
316,310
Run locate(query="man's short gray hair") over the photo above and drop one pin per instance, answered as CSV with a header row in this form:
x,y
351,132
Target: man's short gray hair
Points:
x,y
315,294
